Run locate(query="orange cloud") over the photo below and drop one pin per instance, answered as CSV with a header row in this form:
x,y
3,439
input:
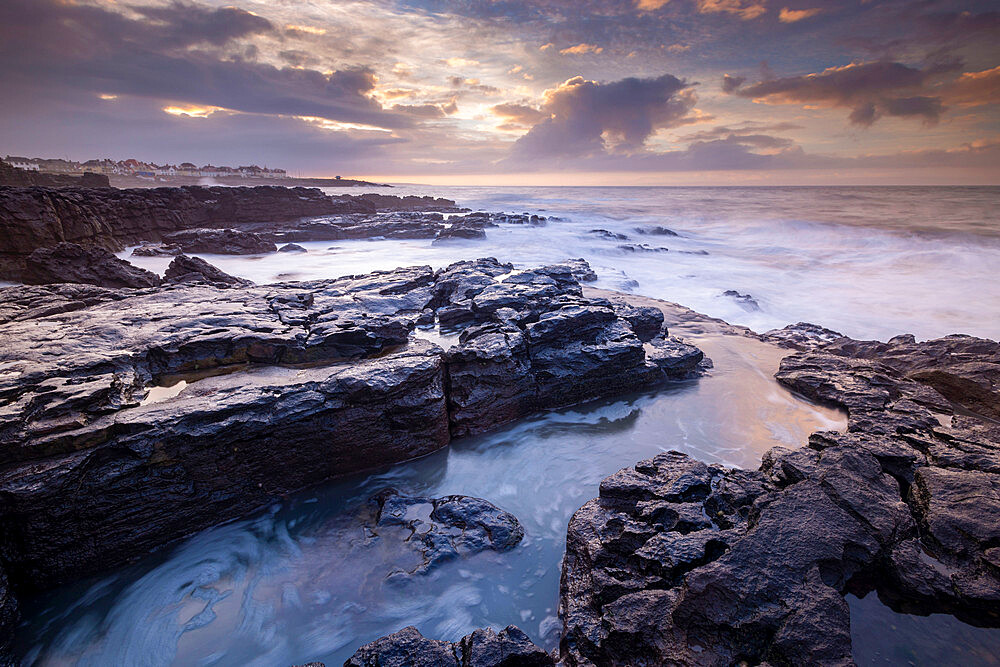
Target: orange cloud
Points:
x,y
581,49
745,9
975,88
787,15
650,5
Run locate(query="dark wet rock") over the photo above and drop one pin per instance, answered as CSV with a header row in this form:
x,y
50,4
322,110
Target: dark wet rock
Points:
x,y
674,357
656,231
9,616
37,217
156,250
483,648
801,336
316,379
291,247
459,232
641,248
580,269
411,203
646,321
184,269
746,301
220,242
679,562
443,529
71,263
606,234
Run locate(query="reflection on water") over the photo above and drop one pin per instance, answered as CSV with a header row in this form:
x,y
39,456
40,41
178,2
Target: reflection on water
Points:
x,y
881,636
304,581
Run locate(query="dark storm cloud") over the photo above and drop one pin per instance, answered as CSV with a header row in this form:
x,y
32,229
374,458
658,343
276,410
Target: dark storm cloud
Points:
x,y
170,53
587,117
871,90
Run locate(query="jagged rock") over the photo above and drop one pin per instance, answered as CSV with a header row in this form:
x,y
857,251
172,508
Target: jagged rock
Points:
x,y
156,250
801,336
674,357
220,241
483,648
460,232
184,269
71,263
9,616
641,247
656,231
606,234
678,562
746,301
442,529
646,321
291,247
411,203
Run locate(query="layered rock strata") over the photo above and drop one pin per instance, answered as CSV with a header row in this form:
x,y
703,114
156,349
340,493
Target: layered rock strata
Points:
x,y
287,385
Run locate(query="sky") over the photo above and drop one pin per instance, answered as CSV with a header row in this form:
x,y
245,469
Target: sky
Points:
x,y
514,92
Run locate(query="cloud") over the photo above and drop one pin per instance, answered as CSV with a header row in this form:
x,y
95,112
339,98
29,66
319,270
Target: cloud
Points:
x,y
871,90
168,53
748,134
581,49
787,15
731,83
975,88
745,9
519,115
650,5
583,117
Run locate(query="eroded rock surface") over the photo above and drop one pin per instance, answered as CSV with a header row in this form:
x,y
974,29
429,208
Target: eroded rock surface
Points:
x,y
443,529
679,562
483,648
184,269
71,263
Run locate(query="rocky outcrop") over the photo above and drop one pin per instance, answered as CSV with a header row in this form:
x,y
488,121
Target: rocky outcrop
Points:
x,y
71,263
443,529
184,269
483,648
679,562
37,217
219,242
313,379
411,203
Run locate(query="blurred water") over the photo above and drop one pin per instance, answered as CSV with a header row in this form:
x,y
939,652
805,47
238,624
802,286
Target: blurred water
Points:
x,y
870,262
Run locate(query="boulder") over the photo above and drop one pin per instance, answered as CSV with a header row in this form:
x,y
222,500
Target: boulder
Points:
x,y
184,269
291,247
220,242
71,263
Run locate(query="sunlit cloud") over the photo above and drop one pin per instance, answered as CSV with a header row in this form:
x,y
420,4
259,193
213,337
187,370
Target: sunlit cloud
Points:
x,y
745,9
650,5
787,15
312,30
581,49
106,96
336,126
191,111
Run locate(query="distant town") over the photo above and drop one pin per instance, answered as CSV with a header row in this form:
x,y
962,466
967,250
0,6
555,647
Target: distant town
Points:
x,y
140,169
133,173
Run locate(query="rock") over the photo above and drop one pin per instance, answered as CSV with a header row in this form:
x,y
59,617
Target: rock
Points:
x,y
156,250
580,269
184,269
411,203
483,648
679,562
747,302
9,617
317,379
443,529
604,233
291,247
801,336
641,247
656,231
646,321
459,232
71,263
674,357
220,242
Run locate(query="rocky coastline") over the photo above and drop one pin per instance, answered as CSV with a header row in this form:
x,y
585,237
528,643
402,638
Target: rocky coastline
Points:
x,y
315,380
238,220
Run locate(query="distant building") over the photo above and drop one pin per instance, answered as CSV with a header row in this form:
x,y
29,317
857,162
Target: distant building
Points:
x,y
22,163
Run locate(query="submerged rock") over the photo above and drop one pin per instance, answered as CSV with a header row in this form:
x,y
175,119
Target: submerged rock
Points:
x,y
291,247
71,263
745,300
483,648
656,230
442,529
220,242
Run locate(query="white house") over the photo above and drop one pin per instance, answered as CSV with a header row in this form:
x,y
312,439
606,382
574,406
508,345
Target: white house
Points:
x,y
22,163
